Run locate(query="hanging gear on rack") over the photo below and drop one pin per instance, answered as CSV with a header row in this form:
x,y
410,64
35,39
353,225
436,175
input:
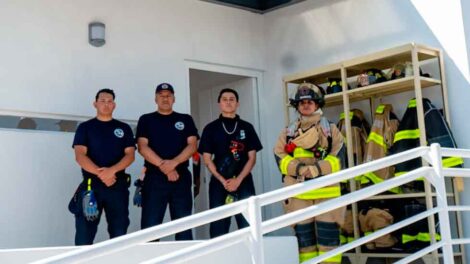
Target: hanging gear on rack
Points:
x,y
374,219
407,137
415,236
360,128
378,143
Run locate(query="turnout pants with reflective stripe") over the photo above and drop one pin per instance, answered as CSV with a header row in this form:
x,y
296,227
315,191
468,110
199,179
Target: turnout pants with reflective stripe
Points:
x,y
316,235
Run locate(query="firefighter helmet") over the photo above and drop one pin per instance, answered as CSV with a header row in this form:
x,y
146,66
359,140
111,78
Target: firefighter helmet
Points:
x,y
370,76
308,91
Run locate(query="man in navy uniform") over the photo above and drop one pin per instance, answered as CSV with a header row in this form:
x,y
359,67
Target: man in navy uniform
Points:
x,y
104,148
229,145
167,140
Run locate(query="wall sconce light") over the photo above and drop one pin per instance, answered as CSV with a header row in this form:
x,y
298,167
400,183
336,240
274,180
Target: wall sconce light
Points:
x,y
96,32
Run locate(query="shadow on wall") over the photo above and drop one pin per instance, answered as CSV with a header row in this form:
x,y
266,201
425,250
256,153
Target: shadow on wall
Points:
x,y
339,30
27,123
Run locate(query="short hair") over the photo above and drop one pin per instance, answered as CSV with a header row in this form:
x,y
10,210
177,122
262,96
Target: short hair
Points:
x,y
227,90
105,90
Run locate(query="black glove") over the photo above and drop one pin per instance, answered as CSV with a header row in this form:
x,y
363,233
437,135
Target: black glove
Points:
x,y
138,192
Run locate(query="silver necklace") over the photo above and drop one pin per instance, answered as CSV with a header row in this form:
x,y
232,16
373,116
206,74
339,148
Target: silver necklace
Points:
x,y
231,132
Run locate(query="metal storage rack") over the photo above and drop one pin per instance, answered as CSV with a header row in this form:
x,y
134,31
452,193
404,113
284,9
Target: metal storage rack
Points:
x,y
385,59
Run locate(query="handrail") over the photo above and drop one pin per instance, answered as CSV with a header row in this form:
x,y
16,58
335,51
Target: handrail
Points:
x,y
286,192
142,236
391,228
312,211
251,208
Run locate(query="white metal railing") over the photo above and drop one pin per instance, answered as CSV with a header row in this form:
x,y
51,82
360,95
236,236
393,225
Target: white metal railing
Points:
x,y
251,209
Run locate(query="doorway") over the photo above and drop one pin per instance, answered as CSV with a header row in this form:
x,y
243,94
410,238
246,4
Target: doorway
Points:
x,y
205,85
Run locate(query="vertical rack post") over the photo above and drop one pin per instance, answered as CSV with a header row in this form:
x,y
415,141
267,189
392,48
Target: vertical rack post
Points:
x,y
457,182
352,182
422,141
286,106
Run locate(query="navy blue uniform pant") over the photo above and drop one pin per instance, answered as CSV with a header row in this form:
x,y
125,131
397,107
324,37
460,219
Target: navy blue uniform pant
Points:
x,y
115,202
217,196
158,193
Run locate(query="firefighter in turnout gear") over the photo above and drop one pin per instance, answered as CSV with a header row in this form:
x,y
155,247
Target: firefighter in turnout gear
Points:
x,y
307,149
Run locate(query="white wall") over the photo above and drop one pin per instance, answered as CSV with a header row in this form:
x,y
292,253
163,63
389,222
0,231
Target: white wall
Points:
x,y
38,181
47,61
47,66
39,176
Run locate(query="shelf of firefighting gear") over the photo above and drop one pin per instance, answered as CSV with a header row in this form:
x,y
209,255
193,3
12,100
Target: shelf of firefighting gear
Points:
x,y
380,90
344,75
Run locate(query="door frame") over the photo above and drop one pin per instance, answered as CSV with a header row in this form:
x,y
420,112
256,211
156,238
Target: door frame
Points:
x,y
257,74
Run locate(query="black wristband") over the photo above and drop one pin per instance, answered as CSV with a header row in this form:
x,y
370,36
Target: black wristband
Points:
x,y
318,168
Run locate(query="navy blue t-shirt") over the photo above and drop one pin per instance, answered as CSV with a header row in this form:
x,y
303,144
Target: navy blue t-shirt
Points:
x,y
167,135
105,141
229,138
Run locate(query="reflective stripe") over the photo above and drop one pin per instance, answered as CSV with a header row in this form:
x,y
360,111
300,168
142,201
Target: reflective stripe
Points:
x,y
362,179
403,172
400,173
412,103
302,153
423,237
407,238
341,116
334,163
89,185
325,192
336,259
285,163
304,256
426,237
378,139
452,162
406,134
380,109
376,180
